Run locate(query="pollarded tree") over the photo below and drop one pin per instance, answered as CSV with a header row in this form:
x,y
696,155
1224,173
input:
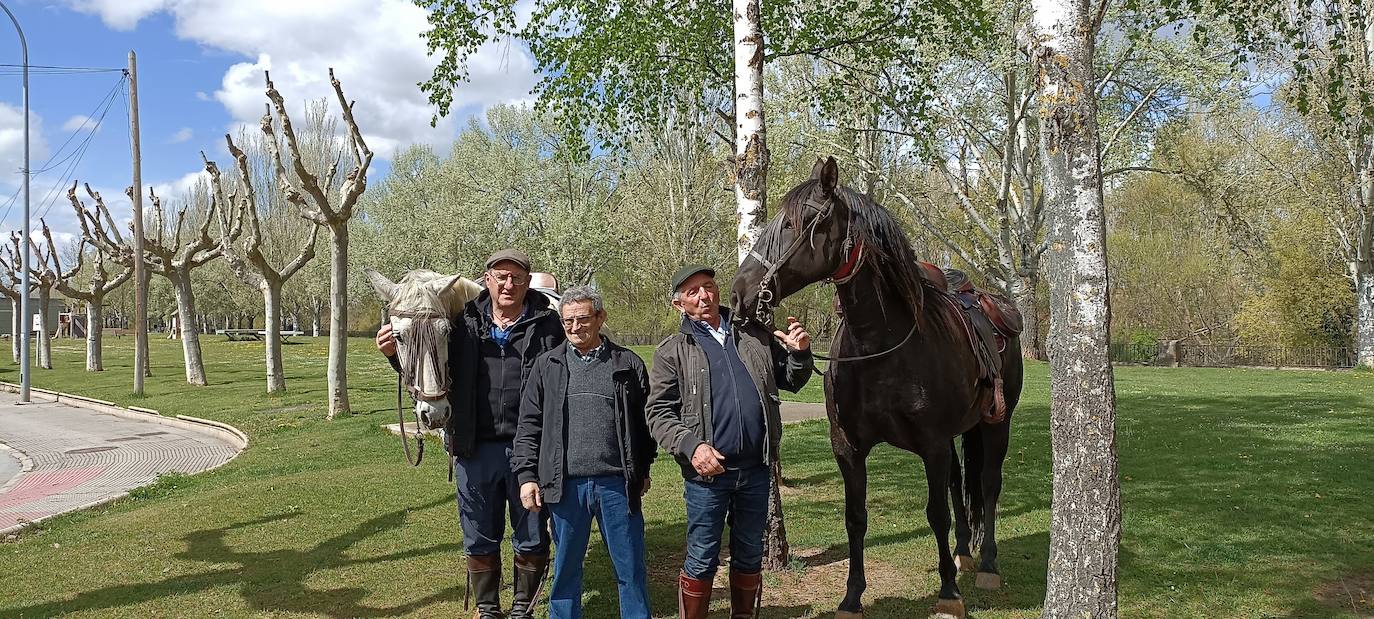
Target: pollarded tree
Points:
x,y
247,254
165,253
98,284
319,203
42,278
10,263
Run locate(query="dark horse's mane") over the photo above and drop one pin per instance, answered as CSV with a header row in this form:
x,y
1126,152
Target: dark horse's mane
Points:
x,y
886,246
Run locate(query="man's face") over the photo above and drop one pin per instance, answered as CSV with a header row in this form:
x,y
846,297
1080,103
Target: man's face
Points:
x,y
582,323
508,282
699,298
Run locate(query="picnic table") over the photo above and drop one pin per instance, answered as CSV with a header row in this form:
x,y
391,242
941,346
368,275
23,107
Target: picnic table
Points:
x,y
235,335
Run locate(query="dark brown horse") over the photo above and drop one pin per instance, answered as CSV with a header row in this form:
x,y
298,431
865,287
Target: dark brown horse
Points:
x,y
903,372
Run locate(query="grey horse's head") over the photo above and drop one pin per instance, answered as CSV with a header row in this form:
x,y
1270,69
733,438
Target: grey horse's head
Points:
x,y
422,306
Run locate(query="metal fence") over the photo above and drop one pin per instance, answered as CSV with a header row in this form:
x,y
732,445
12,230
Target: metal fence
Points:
x,y
1228,355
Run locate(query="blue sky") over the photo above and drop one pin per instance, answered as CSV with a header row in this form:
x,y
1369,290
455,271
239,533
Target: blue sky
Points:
x,y
200,68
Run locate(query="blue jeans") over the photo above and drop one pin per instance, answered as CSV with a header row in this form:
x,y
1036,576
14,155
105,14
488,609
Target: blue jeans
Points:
x,y
623,532
486,489
739,497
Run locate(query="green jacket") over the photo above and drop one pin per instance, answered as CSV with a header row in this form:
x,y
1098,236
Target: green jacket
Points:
x,y
679,408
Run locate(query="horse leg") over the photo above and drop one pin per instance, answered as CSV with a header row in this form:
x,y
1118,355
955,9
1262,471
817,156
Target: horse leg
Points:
x,y
996,439
854,469
963,534
937,463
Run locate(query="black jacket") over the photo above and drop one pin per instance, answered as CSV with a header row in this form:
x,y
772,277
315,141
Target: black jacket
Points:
x,y
539,442
536,334
679,411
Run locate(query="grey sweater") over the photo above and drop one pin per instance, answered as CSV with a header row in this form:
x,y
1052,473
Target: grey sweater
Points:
x,y
593,443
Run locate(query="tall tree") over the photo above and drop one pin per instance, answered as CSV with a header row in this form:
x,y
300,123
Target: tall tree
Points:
x,y
98,285
1085,522
316,201
11,263
43,278
242,242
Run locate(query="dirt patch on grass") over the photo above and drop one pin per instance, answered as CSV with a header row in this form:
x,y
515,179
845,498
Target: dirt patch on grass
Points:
x,y
1353,593
820,583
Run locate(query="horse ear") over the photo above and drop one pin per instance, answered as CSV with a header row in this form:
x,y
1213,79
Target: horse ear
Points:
x,y
457,291
828,172
385,288
817,168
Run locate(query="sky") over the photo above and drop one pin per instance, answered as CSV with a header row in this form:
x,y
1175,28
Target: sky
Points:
x,y
200,74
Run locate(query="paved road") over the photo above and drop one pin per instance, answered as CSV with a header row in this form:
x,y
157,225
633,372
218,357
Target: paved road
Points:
x,y
81,457
793,412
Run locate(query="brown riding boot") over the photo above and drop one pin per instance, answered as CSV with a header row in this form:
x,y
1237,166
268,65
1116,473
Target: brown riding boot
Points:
x,y
693,597
484,585
529,579
745,590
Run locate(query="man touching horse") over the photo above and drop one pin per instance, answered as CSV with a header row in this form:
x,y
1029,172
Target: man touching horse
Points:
x,y
495,343
713,404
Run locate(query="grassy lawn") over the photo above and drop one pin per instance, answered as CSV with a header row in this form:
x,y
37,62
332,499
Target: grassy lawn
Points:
x,y
1246,494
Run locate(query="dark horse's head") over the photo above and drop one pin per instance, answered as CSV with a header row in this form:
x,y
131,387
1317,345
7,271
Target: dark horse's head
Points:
x,y
823,232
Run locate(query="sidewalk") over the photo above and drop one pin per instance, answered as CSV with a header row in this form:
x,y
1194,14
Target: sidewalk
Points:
x,y
56,458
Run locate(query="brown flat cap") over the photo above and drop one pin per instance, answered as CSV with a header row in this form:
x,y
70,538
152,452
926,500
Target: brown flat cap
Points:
x,y
511,255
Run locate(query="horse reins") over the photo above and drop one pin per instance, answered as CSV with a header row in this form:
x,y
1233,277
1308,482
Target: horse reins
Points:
x,y
407,376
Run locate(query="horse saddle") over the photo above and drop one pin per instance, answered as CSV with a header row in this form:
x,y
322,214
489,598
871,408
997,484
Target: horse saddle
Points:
x,y
989,321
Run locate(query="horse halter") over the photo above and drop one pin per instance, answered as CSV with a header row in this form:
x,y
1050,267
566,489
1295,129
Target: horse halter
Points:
x,y
852,248
405,382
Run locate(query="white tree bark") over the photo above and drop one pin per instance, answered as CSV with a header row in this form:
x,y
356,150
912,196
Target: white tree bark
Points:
x,y
15,327
271,300
1364,322
44,336
338,321
1085,523
190,335
95,331
751,145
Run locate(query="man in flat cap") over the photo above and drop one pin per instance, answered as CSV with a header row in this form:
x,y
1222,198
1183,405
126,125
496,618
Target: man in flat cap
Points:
x,y
713,405
492,348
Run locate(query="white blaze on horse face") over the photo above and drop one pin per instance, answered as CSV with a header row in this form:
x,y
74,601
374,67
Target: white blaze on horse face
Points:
x,y
429,360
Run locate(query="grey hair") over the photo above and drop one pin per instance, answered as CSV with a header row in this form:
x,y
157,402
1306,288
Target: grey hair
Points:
x,y
578,294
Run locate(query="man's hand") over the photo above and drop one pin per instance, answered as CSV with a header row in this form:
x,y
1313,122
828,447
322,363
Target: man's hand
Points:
x,y
529,496
385,341
706,460
796,338
644,488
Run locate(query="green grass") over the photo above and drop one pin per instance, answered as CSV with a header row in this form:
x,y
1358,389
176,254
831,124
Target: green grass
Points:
x,y
1246,494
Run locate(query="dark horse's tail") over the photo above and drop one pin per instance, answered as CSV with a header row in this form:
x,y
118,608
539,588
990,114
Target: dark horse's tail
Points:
x,y
973,486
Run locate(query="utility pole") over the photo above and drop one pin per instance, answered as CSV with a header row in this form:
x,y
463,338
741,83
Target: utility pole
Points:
x,y
26,322
140,273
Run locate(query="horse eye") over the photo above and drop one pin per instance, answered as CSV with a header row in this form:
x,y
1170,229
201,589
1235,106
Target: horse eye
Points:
x,y
786,224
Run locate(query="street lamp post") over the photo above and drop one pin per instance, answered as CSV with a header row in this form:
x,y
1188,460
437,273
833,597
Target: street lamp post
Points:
x,y
25,321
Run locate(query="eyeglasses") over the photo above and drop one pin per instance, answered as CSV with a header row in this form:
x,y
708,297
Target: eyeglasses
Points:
x,y
579,320
516,280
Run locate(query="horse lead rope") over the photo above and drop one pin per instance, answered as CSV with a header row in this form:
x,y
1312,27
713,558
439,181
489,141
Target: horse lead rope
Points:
x,y
419,434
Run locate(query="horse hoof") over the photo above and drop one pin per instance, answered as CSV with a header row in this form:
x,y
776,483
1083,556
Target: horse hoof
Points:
x,y
949,609
988,581
964,563
844,614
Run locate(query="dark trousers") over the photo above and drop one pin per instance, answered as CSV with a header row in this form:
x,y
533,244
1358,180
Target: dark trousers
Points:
x,y
739,497
487,489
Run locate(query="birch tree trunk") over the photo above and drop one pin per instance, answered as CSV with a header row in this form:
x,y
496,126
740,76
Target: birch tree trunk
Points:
x,y
95,330
1085,522
338,320
44,337
271,302
751,147
1364,322
190,337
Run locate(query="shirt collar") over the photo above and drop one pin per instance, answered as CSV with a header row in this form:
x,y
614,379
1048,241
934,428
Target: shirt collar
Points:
x,y
591,354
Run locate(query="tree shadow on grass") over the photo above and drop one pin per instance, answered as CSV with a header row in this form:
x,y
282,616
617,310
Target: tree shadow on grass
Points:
x,y
274,580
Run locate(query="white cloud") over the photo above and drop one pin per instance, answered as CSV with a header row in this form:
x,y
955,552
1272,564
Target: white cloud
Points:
x,y
373,46
176,188
201,96
78,122
12,146
183,134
